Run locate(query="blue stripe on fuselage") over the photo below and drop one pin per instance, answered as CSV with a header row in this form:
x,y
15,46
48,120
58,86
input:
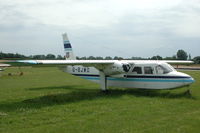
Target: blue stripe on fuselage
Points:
x,y
140,78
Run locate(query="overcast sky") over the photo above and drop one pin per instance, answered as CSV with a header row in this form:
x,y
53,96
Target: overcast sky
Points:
x,y
101,27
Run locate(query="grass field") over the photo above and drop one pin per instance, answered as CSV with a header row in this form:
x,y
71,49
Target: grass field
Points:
x,y
50,101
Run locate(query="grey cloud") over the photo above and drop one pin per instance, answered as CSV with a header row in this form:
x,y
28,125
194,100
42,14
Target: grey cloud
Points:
x,y
132,34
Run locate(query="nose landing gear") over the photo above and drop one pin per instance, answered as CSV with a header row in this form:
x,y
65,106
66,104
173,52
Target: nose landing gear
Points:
x,y
188,92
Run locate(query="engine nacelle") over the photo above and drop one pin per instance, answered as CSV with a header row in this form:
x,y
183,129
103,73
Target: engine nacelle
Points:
x,y
118,68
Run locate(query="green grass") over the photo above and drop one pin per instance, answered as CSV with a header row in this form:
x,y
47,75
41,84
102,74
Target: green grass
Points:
x,y
48,100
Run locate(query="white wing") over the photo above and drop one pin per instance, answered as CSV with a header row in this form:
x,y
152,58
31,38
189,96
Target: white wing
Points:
x,y
68,62
167,61
97,62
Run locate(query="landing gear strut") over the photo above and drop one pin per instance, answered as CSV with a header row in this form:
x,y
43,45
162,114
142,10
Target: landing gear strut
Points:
x,y
103,81
188,91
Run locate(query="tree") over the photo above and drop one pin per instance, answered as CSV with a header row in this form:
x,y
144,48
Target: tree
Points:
x,y
83,58
117,58
108,58
50,56
1,55
170,58
40,57
59,57
30,56
91,58
138,58
99,58
196,60
182,55
156,57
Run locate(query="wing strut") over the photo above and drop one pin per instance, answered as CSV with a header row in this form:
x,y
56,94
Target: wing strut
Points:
x,y
103,81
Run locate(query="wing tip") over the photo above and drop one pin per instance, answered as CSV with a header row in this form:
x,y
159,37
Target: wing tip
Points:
x,y
27,61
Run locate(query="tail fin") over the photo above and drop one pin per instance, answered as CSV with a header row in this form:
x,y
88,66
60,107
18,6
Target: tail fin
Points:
x,y
69,55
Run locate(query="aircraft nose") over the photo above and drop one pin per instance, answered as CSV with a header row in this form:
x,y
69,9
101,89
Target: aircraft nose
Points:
x,y
192,79
189,79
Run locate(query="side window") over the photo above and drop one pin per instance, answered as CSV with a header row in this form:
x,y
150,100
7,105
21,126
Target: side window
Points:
x,y
148,70
162,70
137,70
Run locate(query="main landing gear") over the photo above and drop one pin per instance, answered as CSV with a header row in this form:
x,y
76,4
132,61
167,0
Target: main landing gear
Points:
x,y
103,82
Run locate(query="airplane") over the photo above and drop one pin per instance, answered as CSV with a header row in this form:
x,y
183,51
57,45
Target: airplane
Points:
x,y
142,74
3,66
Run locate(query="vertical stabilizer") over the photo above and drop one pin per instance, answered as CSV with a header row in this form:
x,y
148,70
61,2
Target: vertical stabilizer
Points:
x,y
69,55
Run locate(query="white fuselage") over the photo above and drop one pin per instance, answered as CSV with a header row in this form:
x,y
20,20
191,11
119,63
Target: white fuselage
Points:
x,y
150,75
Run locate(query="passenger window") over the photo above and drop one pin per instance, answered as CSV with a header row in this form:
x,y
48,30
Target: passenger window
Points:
x,y
137,70
148,70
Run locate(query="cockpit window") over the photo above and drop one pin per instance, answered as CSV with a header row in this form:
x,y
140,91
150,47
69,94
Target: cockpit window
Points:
x,y
148,70
163,69
126,67
137,70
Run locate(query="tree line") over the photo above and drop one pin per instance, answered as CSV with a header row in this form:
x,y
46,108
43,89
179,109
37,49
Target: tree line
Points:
x,y
180,55
39,57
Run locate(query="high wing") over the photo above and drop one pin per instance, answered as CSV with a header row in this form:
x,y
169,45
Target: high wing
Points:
x,y
166,61
68,62
97,62
93,63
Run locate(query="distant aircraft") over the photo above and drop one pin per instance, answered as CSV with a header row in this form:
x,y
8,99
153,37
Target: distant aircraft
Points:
x,y
3,66
144,74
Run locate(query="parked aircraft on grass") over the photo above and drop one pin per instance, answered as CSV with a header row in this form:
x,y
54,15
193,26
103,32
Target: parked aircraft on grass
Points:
x,y
144,74
3,66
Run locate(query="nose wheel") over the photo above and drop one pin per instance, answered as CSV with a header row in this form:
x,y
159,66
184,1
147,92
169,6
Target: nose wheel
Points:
x,y
188,91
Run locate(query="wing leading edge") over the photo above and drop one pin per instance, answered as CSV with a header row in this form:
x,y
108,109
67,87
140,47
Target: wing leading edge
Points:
x,y
97,62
